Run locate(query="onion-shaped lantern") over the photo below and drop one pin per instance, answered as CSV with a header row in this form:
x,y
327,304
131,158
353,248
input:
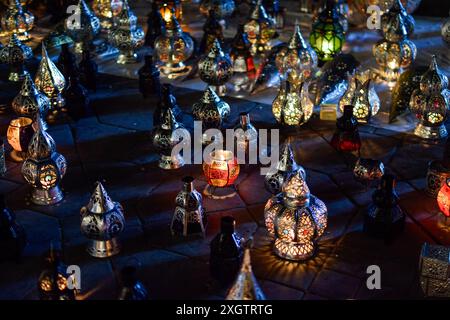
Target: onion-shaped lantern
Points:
x,y
260,29
17,20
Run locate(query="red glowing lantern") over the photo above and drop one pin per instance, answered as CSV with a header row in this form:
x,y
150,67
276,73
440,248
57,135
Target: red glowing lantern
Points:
x,y
221,170
443,198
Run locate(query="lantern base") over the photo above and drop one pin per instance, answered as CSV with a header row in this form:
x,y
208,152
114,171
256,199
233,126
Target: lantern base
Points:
x,y
220,192
42,197
432,133
175,70
437,174
171,162
18,156
127,58
192,223
295,251
103,249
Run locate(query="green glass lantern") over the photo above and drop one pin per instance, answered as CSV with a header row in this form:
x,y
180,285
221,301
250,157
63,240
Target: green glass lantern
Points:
x,y
327,35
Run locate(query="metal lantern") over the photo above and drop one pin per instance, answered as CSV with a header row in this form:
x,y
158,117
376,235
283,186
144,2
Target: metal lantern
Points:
x,y
260,29
221,170
169,9
445,31
53,282
296,219
127,36
102,220
30,102
17,20
19,134
173,48
327,35
434,266
395,52
367,170
189,216
50,81
15,53
215,68
164,141
243,65
286,167
212,29
246,138
245,287
107,10
222,8
362,96
292,106
44,168
297,56
438,172
391,18
210,110
88,28
430,103
346,137
443,199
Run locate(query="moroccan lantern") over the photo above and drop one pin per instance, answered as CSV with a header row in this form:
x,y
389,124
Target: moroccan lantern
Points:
x,y
260,29
212,29
391,18
297,56
17,20
346,137
107,10
88,28
189,217
222,8
443,199
430,103
215,68
221,170
243,65
286,167
15,53
296,219
127,36
327,35
292,106
438,172
102,220
44,168
169,9
53,282
362,96
20,131
434,263
173,48
368,170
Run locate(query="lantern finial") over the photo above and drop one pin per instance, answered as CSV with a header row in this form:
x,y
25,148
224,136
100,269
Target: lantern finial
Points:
x,y
42,144
100,201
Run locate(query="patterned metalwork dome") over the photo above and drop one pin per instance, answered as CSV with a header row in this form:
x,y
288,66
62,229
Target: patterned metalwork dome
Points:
x,y
215,68
88,29
433,80
17,20
211,110
260,28
392,17
42,145
29,102
15,54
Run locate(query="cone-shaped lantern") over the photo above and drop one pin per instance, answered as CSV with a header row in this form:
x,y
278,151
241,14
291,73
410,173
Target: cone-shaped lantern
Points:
x,y
15,53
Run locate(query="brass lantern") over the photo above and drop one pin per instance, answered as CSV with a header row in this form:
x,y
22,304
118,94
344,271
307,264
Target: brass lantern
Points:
x,y
297,56
107,10
391,18
127,36
296,219
260,29
88,28
395,52
50,81
362,96
19,134
44,168
215,68
17,20
102,220
15,54
173,48
292,106
222,8
430,103
169,9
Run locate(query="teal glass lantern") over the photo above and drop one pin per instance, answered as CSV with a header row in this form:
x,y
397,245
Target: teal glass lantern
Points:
x,y
327,35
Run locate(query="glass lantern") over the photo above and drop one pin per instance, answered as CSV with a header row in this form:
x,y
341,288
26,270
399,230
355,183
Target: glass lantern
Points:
x,y
17,20
107,10
443,200
19,135
169,8
221,170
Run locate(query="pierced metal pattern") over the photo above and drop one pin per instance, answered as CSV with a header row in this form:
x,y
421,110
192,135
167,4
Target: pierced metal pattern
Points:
x,y
29,102
215,68
89,27
391,19
367,170
17,20
107,10
260,29
435,270
15,54
211,110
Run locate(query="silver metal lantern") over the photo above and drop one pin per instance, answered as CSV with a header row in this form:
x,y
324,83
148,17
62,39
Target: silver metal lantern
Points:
x,y
15,53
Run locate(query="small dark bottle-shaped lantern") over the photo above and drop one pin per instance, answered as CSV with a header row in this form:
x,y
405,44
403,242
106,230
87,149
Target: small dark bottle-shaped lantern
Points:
x,y
346,137
226,252
12,235
212,29
67,62
132,288
149,78
166,101
384,217
88,71
77,98
155,24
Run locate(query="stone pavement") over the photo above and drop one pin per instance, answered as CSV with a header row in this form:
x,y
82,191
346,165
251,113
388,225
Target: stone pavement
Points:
x,y
113,145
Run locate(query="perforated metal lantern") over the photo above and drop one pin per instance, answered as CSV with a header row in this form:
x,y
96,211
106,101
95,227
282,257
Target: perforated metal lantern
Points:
x,y
292,106
169,9
15,53
296,219
19,134
367,170
286,167
102,220
107,10
17,20
430,103
127,36
260,29
362,96
44,168
222,8
390,19
434,270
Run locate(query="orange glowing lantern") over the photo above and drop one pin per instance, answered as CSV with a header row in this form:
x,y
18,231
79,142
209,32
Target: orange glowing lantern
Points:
x,y
443,198
165,9
221,170
19,134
